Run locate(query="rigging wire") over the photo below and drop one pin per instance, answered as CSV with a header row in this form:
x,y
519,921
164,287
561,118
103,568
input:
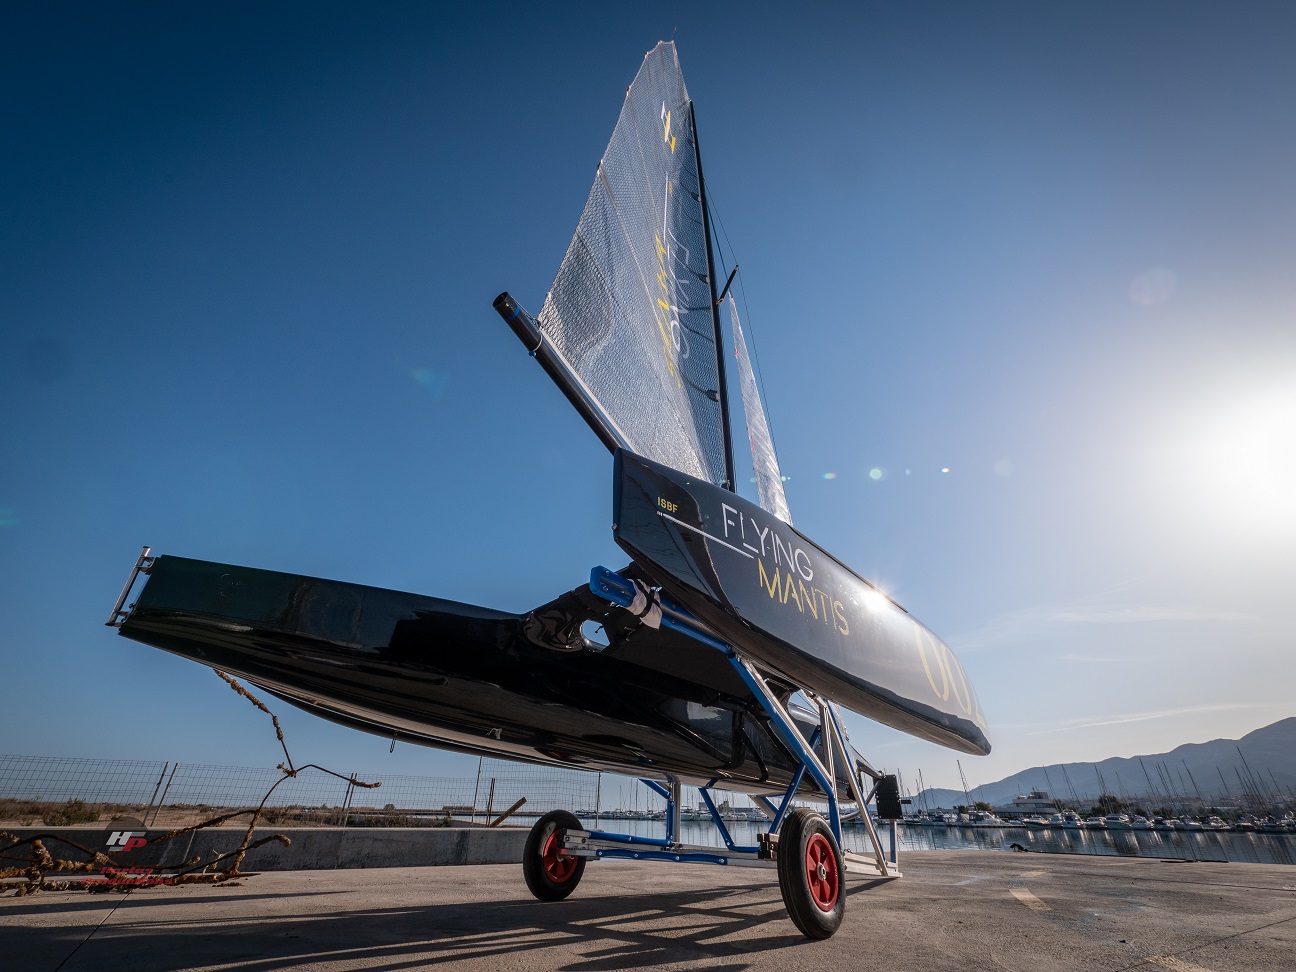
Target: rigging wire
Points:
x,y
750,327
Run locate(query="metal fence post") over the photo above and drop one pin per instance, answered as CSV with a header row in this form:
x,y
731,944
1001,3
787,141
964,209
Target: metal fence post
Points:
x,y
162,801
161,776
346,800
476,789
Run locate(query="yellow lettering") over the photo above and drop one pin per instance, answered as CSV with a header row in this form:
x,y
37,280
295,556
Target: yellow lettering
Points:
x,y
946,657
770,585
811,606
839,612
789,589
668,346
941,693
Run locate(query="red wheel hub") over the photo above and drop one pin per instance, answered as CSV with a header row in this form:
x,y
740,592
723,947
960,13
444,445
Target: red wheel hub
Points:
x,y
821,872
558,867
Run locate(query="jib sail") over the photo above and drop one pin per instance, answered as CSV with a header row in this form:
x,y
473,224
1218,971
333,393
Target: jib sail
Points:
x,y
765,466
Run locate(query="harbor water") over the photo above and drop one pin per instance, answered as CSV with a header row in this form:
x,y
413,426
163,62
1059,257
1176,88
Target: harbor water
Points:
x,y
1189,845
1250,848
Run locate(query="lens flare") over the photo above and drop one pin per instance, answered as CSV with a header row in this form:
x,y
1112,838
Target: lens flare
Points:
x,y
10,518
829,475
432,382
877,473
1003,467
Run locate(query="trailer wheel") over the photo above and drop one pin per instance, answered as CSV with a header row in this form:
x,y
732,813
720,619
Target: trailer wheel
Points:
x,y
550,874
811,874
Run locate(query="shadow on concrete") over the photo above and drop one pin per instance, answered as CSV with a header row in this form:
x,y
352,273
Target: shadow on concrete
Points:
x,y
65,902
856,888
580,934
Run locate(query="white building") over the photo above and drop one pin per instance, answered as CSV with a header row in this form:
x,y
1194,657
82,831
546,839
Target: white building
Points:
x,y
1033,803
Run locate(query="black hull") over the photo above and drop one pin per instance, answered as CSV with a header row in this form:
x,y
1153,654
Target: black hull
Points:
x,y
790,605
523,687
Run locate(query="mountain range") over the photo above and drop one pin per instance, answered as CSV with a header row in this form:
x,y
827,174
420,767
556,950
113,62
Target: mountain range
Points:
x,y
1258,768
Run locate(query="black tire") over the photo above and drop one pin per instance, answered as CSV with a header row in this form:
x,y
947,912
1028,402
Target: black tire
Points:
x,y
812,875
551,876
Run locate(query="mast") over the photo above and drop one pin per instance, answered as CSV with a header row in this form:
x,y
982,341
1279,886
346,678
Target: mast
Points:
x,y
1194,783
1075,797
1156,795
1057,798
723,390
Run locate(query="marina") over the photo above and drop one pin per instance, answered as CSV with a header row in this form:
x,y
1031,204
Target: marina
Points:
x,y
1186,845
1254,848
1071,820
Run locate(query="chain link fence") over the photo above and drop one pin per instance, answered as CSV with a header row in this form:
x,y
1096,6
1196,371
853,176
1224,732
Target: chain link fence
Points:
x,y
59,791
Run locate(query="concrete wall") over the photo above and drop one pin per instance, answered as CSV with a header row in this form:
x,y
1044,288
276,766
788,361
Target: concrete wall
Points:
x,y
312,848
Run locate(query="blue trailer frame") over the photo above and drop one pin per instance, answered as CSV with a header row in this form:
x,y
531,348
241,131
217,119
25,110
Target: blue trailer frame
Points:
x,y
601,844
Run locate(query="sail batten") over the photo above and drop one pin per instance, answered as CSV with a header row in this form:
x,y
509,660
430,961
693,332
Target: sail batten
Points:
x,y
629,315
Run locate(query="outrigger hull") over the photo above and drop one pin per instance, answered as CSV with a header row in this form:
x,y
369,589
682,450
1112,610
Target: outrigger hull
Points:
x,y
525,687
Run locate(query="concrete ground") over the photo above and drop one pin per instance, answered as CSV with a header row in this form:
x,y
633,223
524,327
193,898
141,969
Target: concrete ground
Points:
x,y
955,910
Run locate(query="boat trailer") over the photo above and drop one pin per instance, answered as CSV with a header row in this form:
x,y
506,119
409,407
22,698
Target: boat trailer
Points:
x,y
804,846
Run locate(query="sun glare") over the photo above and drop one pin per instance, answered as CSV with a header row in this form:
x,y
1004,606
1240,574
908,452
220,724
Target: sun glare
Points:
x,y
874,601
1237,464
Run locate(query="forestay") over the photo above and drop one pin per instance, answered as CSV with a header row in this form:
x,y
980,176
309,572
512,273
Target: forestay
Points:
x,y
629,313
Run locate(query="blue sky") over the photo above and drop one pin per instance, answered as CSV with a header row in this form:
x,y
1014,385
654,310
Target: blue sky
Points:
x,y
247,258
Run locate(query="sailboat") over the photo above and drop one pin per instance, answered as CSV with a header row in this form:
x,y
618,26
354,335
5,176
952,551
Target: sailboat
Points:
x,y
730,642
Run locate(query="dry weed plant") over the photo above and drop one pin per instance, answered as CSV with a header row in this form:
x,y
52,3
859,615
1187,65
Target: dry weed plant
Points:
x,y
33,863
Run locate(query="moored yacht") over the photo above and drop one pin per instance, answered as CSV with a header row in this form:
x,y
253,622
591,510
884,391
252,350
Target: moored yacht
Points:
x,y
1285,825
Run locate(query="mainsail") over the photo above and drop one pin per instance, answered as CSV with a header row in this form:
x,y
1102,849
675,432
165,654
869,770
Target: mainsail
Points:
x,y
769,479
630,317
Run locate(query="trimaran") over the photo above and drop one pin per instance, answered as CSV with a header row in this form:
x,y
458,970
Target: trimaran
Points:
x,y
728,641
